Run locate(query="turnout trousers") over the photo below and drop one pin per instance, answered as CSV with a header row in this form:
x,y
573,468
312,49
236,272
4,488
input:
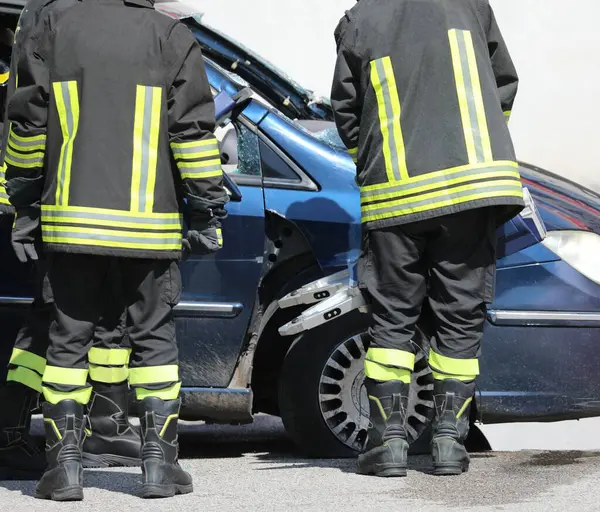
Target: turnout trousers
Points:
x,y
448,261
149,290
109,355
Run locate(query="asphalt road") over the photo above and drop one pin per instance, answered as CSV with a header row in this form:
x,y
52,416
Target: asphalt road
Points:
x,y
254,468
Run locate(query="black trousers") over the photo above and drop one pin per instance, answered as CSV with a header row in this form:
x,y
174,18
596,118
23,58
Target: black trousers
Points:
x,y
111,344
448,261
150,289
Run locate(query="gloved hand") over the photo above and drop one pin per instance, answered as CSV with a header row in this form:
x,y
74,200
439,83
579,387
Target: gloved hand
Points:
x,y
204,237
26,234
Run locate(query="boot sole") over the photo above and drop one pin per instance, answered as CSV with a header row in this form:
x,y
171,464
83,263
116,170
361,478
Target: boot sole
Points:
x,y
152,491
384,470
450,469
73,493
107,460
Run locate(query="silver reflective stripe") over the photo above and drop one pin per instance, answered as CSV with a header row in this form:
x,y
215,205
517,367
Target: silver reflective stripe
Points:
x,y
196,149
64,216
25,162
133,238
65,148
146,127
407,186
447,196
25,145
3,195
392,123
470,94
199,170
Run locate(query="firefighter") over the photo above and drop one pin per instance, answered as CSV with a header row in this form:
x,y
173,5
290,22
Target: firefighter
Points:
x,y
124,120
421,94
112,440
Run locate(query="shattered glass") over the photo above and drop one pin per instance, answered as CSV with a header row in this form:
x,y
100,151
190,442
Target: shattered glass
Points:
x,y
331,137
248,152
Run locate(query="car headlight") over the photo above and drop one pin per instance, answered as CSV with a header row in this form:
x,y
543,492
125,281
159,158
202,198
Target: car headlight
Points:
x,y
580,249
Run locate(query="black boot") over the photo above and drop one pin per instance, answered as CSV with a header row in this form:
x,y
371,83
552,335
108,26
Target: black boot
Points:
x,y
63,479
163,477
451,426
387,448
20,457
114,441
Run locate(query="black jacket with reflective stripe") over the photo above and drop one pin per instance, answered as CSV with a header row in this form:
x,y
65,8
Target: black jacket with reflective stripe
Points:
x,y
112,131
421,94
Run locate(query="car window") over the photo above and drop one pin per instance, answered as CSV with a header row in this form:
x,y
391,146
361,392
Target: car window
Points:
x,y
274,166
240,151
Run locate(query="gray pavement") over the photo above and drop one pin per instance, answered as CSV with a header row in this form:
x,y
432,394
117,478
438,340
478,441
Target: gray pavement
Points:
x,y
255,468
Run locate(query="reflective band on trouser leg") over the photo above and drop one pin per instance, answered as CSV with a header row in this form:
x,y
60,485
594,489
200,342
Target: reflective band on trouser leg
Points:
x,y
444,368
109,365
384,364
25,376
353,152
145,147
470,96
66,96
383,81
169,393
28,359
109,374
198,159
55,378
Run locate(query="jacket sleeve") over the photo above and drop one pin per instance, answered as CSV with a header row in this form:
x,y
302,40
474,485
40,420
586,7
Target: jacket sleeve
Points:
x,y
345,92
191,125
507,79
27,114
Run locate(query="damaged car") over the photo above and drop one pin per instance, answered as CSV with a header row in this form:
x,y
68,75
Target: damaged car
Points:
x,y
255,325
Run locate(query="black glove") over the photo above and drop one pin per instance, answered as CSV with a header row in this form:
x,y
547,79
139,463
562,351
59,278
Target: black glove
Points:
x,y
26,234
204,237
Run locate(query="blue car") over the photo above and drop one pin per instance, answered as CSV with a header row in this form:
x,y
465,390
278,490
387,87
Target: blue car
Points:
x,y
294,218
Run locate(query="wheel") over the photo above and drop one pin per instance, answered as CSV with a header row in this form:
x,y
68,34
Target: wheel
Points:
x,y
322,399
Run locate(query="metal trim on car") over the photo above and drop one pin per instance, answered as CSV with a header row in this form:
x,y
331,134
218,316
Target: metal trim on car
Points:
x,y
544,318
185,308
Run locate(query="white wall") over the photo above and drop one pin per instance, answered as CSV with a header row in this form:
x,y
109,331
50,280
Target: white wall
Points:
x,y
555,45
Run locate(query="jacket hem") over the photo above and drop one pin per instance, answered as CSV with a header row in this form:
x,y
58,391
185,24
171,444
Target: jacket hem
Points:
x,y
506,208
115,252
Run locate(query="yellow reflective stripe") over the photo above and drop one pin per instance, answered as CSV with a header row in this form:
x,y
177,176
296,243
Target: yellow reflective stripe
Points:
x,y
28,147
507,115
27,140
27,359
138,143
51,422
153,147
167,246
108,375
67,104
442,193
170,393
391,357
462,378
220,237
379,406
24,156
376,371
81,396
26,377
438,184
464,407
4,198
154,374
171,226
65,376
201,175
115,233
199,154
109,356
353,151
483,130
212,141
453,366
170,418
118,213
462,95
198,165
4,77
388,101
23,165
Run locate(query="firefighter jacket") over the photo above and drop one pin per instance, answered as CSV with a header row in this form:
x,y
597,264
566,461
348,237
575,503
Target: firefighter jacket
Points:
x,y
421,94
112,131
29,20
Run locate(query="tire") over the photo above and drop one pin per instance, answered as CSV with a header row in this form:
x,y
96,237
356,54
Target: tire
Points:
x,y
322,400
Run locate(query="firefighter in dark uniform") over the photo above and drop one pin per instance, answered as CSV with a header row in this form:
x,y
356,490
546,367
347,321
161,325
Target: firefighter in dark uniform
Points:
x,y
124,119
421,93
111,440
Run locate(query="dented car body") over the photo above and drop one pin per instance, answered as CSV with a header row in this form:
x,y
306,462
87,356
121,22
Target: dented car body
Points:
x,y
294,217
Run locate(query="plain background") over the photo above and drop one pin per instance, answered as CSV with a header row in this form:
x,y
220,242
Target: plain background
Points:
x,y
554,43
555,46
